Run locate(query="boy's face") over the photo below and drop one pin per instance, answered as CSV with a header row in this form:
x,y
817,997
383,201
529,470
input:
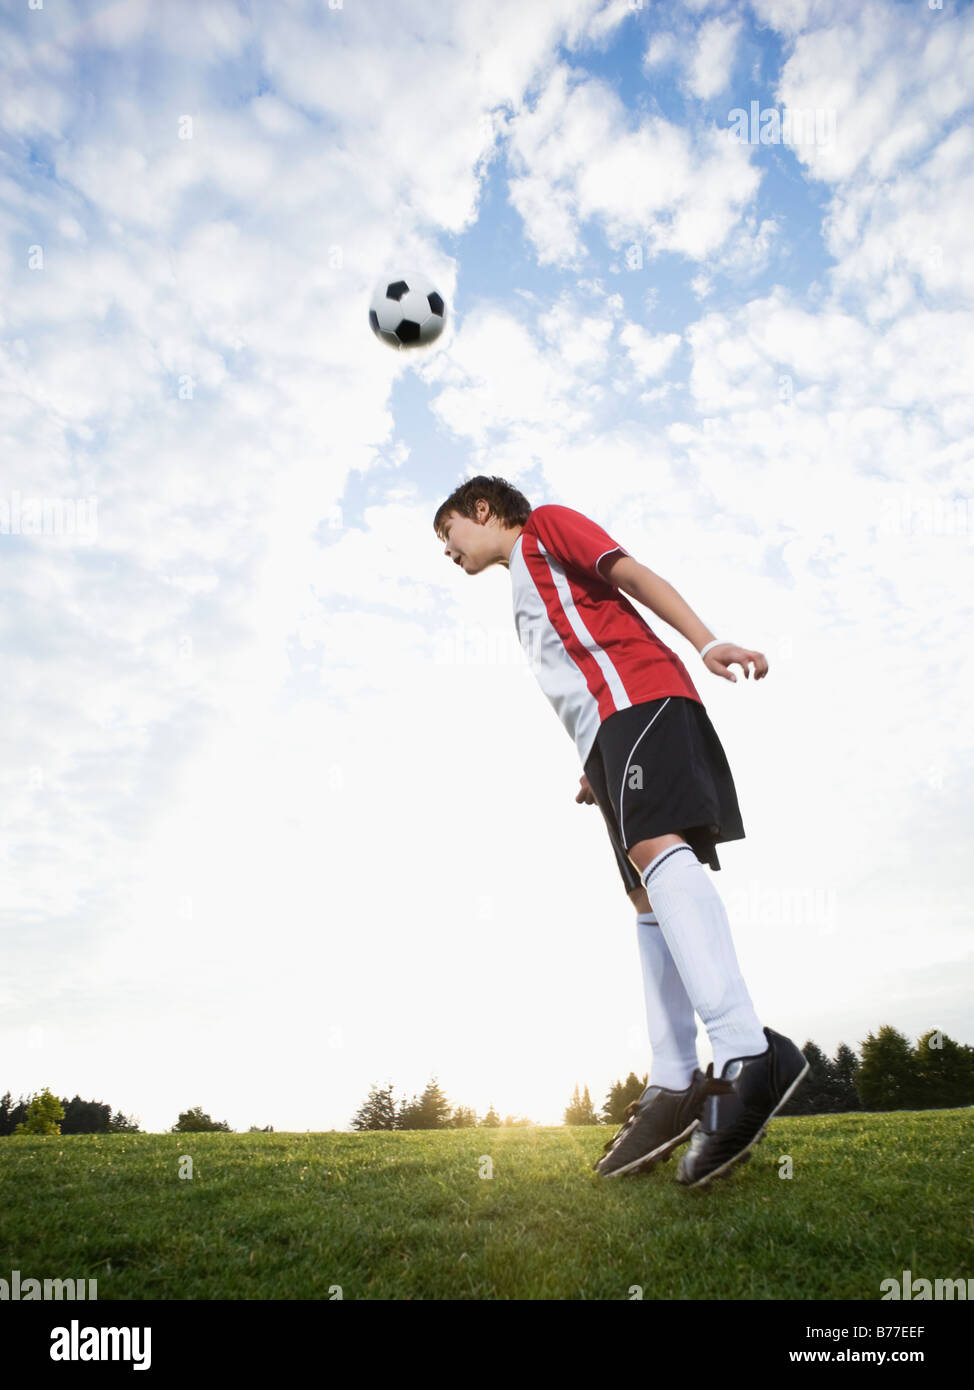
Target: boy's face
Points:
x,y
469,544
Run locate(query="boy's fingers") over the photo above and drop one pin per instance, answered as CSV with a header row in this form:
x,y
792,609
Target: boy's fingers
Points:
x,y
744,660
585,793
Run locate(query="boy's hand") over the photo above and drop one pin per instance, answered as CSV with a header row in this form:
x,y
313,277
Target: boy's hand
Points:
x,y
586,796
718,659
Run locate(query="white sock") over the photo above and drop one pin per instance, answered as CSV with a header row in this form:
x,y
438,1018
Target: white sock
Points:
x,y
669,1013
694,922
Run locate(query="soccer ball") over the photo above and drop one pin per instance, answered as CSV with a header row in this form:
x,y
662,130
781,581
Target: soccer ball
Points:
x,y
407,311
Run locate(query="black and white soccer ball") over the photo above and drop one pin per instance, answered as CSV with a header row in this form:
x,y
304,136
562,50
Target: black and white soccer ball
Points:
x,y
407,311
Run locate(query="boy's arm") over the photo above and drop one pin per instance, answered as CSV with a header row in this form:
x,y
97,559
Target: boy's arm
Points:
x,y
648,588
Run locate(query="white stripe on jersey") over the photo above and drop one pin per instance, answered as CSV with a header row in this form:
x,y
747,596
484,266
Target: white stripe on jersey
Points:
x,y
612,678
576,628
556,670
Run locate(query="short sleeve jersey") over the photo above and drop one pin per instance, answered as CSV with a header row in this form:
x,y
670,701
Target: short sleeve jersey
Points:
x,y
591,651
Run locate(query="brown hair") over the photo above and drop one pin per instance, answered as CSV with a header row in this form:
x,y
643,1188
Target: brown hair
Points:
x,y
511,507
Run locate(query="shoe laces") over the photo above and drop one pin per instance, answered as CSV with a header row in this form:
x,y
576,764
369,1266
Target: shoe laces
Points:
x,y
708,1085
629,1116
711,1085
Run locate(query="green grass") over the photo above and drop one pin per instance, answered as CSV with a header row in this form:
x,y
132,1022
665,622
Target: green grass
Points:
x,y
408,1216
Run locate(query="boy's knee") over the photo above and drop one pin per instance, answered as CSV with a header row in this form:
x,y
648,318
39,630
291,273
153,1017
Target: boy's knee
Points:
x,y
640,899
642,854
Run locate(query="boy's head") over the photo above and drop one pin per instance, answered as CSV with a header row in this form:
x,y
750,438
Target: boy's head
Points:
x,y
472,520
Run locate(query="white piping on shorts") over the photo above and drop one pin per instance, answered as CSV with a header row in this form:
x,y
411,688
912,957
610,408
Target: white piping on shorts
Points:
x,y
622,789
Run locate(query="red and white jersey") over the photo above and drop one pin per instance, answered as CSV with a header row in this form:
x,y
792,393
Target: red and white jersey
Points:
x,y
591,651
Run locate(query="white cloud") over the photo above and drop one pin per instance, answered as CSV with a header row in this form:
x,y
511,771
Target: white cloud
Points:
x,y
550,214
661,49
605,24
791,16
496,380
902,244
702,285
709,69
897,161
578,159
738,359
891,86
580,339
650,353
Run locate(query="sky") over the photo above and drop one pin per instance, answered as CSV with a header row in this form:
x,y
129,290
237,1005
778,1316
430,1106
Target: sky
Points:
x,y
284,812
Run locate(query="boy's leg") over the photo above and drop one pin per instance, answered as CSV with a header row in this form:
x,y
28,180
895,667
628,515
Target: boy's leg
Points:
x,y
694,923
669,1013
757,1069
668,1111
640,900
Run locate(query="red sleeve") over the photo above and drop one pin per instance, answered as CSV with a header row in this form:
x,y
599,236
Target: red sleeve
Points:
x,y
573,539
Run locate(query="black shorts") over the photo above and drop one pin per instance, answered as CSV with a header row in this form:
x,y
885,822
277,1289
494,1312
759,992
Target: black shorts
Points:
x,y
658,768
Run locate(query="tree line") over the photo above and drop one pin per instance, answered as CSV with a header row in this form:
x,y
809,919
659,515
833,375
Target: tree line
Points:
x,y
429,1110
890,1073
36,1115
45,1114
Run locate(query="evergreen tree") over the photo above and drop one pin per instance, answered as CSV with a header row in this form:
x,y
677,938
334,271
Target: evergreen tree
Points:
x,y
619,1096
196,1122
378,1111
887,1077
845,1067
463,1118
491,1120
44,1115
945,1072
588,1109
85,1116
122,1124
11,1115
814,1095
573,1107
430,1111
580,1111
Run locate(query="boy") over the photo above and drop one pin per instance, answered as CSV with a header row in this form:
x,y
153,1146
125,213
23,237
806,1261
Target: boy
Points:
x,y
653,765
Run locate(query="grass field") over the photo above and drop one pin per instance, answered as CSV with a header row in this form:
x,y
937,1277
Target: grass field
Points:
x,y
408,1216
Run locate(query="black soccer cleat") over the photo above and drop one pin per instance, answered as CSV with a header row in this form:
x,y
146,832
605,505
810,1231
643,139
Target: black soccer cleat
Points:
x,y
657,1123
735,1117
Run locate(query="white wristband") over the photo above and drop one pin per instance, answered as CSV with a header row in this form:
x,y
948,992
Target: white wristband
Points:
x,y
717,642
